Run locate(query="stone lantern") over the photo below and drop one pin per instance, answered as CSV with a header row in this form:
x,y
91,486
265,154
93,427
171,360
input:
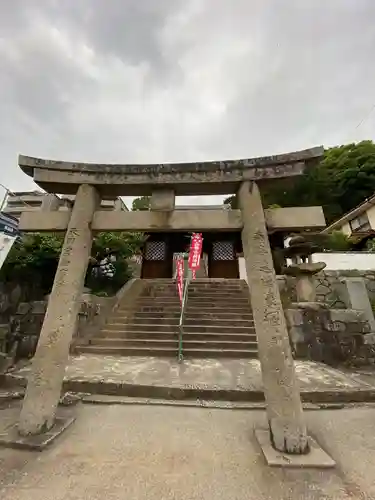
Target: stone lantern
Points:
x,y
302,268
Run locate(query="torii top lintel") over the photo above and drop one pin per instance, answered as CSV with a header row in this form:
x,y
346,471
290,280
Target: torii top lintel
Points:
x,y
217,177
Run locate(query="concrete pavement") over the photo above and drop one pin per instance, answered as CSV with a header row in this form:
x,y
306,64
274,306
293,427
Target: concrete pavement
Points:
x,y
215,379
148,452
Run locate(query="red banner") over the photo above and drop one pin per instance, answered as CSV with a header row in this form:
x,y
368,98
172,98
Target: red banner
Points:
x,y
195,252
180,277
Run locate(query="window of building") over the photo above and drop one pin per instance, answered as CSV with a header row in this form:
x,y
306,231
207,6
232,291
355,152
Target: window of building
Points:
x,y
360,223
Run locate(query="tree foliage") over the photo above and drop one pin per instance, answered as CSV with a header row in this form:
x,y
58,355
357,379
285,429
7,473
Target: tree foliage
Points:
x,y
343,180
370,245
33,260
335,241
232,201
142,203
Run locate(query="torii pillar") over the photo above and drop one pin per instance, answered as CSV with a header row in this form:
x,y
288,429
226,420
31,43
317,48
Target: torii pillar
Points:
x,y
287,427
52,353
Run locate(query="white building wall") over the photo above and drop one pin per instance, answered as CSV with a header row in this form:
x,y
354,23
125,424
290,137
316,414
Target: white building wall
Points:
x,y
342,261
336,261
242,268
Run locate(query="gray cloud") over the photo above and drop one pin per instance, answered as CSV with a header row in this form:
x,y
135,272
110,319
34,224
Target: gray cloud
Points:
x,y
172,80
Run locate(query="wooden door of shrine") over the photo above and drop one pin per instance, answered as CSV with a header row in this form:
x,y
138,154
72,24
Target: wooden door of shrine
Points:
x,y
157,260
222,261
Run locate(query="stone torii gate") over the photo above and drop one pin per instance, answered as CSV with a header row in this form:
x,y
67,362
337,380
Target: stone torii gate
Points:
x,y
92,182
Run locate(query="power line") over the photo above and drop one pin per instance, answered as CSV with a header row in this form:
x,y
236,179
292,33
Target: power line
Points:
x,y
365,117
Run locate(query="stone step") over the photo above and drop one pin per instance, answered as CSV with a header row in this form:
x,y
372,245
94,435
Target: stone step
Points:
x,y
173,342
173,315
227,305
199,286
158,300
166,352
219,353
127,351
135,327
197,282
146,320
155,308
197,304
192,310
211,328
221,290
216,290
202,319
166,335
213,290
198,307
218,321
194,296
193,285
174,320
207,297
194,301
216,301
218,293
217,328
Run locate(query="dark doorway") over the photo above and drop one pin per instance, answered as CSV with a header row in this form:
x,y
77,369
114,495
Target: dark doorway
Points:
x,y
157,259
222,262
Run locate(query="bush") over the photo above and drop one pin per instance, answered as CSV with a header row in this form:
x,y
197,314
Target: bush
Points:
x,y
34,258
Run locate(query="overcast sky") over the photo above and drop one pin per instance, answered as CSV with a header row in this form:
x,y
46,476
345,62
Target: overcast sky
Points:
x,y
181,80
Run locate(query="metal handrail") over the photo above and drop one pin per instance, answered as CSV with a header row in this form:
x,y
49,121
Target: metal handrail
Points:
x,y
182,315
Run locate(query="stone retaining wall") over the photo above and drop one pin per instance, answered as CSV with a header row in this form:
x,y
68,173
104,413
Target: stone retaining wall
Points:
x,y
330,290
25,326
11,295
327,335
323,334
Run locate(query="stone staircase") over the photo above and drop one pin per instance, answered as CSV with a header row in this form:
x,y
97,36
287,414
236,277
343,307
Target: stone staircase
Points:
x,y
218,322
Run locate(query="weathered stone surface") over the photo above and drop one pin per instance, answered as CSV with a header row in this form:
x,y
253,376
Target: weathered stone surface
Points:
x,y
179,220
305,268
44,387
10,437
305,289
11,294
329,288
207,379
357,298
50,203
281,389
218,177
163,200
316,458
328,335
70,399
28,321
4,332
3,362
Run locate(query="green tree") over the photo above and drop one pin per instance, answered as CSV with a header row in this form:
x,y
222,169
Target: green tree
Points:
x,y
232,201
370,245
142,203
33,260
343,180
335,241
